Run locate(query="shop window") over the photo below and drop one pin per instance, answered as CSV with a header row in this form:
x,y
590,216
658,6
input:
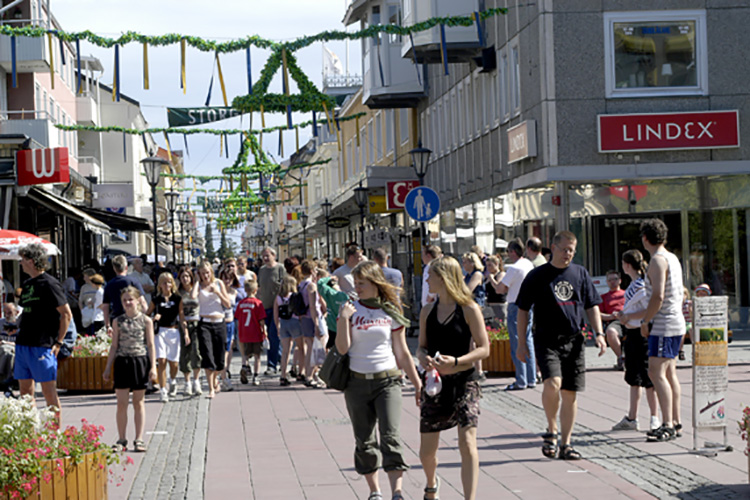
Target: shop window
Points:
x,y
655,53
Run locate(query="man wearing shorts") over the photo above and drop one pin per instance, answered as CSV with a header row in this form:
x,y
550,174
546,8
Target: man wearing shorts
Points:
x,y
560,292
663,325
612,302
45,320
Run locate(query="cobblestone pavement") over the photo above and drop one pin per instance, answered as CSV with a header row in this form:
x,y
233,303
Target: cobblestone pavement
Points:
x,y
175,463
653,474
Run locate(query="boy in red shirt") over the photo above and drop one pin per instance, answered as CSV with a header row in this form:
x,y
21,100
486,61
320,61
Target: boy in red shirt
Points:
x,y
250,316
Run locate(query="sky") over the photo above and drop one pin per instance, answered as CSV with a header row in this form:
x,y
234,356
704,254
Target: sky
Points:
x,y
220,20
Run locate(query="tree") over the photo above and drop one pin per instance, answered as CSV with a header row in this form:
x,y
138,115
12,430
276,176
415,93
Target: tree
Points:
x,y
210,253
223,249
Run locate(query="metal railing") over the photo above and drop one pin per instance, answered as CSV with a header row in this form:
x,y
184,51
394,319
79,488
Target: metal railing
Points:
x,y
342,80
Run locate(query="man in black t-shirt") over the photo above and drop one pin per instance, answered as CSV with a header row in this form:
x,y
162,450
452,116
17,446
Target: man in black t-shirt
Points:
x,y
45,320
560,293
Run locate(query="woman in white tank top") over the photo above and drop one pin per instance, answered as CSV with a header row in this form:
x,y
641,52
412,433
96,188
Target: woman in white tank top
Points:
x,y
212,334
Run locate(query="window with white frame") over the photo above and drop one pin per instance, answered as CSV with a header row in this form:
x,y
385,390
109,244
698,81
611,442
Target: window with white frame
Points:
x,y
388,131
370,144
403,118
460,113
515,77
440,128
652,53
39,100
503,93
477,112
350,164
379,136
453,120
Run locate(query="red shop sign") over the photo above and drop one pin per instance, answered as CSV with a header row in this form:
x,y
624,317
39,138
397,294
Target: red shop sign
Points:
x,y
665,131
396,192
42,166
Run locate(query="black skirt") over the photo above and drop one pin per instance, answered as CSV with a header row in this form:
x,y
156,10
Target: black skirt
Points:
x,y
131,372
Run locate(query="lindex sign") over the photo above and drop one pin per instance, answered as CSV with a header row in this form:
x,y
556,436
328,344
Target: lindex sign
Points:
x,y
668,131
338,222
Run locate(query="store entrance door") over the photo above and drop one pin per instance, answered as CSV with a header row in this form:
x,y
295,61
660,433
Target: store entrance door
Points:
x,y
614,235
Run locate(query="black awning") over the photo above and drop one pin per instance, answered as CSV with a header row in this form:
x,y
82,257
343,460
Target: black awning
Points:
x,y
119,221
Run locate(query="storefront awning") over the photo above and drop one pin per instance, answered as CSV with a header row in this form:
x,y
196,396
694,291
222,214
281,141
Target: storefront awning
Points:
x,y
57,204
122,222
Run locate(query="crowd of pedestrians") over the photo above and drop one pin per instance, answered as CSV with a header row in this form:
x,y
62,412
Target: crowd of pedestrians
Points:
x,y
185,320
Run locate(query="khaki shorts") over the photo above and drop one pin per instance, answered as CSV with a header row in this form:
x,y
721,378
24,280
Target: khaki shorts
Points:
x,y
251,348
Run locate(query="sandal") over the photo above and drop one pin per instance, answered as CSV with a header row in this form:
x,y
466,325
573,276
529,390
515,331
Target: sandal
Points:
x,y
662,434
375,495
678,430
139,446
120,445
549,445
567,452
433,490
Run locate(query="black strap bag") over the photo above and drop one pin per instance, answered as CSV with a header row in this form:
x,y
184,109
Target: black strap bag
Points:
x,y
335,370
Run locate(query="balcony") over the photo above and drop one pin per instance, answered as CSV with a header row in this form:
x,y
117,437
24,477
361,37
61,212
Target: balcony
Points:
x,y
88,110
36,125
31,54
462,42
89,166
389,80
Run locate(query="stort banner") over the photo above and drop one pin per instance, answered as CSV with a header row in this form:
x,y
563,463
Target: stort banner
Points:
x,y
179,117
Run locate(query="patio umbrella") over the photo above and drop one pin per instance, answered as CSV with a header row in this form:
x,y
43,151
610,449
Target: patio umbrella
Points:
x,y
12,241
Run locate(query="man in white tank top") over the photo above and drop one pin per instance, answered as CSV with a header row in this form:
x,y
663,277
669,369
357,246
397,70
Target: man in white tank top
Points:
x,y
663,325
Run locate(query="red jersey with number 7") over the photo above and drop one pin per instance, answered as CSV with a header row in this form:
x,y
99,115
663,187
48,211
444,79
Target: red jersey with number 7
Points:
x,y
250,316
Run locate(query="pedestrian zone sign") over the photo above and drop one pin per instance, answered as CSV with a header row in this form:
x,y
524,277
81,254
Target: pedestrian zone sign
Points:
x,y
422,204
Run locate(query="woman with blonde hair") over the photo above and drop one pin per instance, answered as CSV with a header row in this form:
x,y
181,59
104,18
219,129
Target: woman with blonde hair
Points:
x,y
212,334
474,278
447,328
371,330
497,301
166,305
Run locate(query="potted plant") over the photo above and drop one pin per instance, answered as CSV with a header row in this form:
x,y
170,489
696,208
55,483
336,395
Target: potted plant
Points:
x,y
82,371
39,460
744,425
499,360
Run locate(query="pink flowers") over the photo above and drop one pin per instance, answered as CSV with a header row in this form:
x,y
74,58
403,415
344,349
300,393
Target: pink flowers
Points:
x,y
744,425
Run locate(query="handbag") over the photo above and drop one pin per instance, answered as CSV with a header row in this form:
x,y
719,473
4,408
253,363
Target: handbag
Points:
x,y
335,370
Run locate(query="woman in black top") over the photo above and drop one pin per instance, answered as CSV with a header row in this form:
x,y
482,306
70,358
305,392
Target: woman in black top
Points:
x,y
448,326
166,304
497,301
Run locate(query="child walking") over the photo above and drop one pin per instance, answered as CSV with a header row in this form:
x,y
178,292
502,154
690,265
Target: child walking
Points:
x,y
133,355
251,317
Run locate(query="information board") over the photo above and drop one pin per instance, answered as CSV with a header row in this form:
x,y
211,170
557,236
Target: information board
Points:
x,y
710,367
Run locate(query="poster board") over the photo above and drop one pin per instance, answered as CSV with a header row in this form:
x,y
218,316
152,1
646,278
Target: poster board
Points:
x,y
710,361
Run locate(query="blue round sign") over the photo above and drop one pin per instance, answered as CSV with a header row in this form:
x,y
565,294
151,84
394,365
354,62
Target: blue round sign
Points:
x,y
422,204
195,252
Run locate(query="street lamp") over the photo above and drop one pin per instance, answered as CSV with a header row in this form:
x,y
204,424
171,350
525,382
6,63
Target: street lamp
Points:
x,y
360,197
303,219
172,197
326,206
182,217
420,158
152,168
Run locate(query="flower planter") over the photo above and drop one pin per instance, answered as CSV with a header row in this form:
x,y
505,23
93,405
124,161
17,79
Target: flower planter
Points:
x,y
499,361
83,374
84,480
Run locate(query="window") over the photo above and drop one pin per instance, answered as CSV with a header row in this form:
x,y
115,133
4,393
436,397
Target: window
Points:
x,y
478,111
453,119
403,116
378,136
370,144
515,81
39,100
655,53
460,112
389,131
503,84
394,17
439,132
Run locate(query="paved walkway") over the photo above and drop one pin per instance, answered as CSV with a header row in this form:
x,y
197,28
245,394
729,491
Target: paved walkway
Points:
x,y
270,442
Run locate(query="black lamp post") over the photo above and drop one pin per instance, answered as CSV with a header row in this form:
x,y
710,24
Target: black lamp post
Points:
x,y
420,158
152,168
172,197
303,219
326,206
360,197
182,216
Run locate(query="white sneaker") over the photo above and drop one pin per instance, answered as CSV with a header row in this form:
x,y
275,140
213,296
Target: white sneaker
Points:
x,y
255,380
188,388
626,425
197,387
173,388
655,423
164,396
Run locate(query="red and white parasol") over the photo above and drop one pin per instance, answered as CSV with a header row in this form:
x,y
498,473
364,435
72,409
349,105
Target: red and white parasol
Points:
x,y
12,241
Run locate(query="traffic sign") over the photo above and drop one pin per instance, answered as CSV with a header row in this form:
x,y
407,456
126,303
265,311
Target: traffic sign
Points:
x,y
422,204
195,252
396,192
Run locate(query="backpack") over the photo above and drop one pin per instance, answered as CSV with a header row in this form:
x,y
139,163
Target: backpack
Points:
x,y
297,302
285,309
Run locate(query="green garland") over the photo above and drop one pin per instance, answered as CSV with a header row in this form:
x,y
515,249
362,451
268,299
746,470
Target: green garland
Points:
x,y
191,131
250,41
308,99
